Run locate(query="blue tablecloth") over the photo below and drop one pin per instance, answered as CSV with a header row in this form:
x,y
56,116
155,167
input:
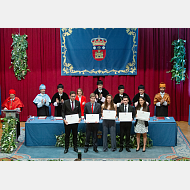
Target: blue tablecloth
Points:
x,y
41,132
189,116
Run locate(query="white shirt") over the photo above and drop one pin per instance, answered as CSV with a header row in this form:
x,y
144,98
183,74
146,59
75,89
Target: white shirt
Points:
x,y
126,107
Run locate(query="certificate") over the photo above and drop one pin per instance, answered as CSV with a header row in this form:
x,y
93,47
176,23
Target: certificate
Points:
x,y
92,118
143,115
125,116
109,114
74,118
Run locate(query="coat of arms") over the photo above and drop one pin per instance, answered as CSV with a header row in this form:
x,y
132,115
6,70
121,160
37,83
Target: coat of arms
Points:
x,y
99,48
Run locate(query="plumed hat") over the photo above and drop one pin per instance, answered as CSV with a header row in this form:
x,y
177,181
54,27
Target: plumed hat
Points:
x,y
42,86
99,82
141,87
12,91
120,87
60,86
162,84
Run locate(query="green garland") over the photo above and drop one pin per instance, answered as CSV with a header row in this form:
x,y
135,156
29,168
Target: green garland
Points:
x,y
9,134
82,136
178,71
19,56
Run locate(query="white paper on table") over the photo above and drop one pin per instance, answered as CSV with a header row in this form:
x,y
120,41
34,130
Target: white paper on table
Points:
x,y
74,118
92,118
109,114
58,118
125,116
143,115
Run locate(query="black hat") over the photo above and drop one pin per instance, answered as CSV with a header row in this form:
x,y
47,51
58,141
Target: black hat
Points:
x,y
99,82
120,87
141,87
60,86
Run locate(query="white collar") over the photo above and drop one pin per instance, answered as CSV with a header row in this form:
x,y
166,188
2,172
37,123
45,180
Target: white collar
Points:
x,y
12,99
142,95
99,90
120,95
162,93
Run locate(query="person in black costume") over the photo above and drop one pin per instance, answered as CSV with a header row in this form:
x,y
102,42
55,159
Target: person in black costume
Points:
x,y
100,93
58,100
141,94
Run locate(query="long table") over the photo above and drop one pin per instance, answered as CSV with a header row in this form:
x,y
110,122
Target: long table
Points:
x,y
42,132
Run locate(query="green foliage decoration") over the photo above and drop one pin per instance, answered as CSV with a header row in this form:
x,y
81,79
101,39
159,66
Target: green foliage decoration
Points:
x,y
19,56
9,134
178,71
82,136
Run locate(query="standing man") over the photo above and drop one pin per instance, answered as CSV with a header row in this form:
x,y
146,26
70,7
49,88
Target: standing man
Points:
x,y
162,101
71,106
125,127
42,102
13,103
58,100
141,94
118,98
100,92
92,107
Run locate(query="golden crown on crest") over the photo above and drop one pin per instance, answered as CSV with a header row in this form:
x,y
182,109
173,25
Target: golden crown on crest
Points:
x,y
99,41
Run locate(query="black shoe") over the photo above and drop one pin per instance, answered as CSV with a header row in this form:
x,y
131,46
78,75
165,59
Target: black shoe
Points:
x,y
121,149
137,149
128,150
96,150
76,149
85,150
66,150
144,150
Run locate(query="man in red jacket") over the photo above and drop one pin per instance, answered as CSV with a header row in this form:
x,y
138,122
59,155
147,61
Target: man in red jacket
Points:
x,y
13,103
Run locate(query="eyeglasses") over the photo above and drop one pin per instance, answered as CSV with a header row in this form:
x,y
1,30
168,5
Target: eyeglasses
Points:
x,y
72,96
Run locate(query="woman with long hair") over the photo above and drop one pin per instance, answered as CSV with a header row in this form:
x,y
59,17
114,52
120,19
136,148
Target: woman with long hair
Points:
x,y
82,99
109,124
141,127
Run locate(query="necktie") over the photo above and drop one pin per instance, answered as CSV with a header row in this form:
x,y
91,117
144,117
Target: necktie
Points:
x,y
125,109
72,106
92,108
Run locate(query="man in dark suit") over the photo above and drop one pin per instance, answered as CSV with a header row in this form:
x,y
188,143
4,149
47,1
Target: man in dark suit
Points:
x,y
125,127
71,106
92,107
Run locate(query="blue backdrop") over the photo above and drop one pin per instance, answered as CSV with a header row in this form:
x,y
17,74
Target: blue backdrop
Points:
x,y
97,52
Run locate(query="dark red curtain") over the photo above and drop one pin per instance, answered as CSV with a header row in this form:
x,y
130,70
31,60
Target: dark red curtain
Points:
x,y
44,59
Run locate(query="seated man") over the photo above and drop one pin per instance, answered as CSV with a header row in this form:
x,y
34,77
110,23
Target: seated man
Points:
x,y
42,101
162,101
58,100
13,103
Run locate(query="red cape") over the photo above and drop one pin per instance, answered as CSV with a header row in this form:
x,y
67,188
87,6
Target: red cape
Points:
x,y
16,103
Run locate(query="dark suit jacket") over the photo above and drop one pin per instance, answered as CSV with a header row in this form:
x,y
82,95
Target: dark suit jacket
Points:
x,y
67,110
137,96
88,110
130,109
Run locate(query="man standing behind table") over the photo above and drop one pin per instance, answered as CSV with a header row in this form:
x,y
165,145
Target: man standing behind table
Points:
x,y
58,100
118,98
141,94
42,102
162,101
100,93
125,126
92,107
71,106
13,103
